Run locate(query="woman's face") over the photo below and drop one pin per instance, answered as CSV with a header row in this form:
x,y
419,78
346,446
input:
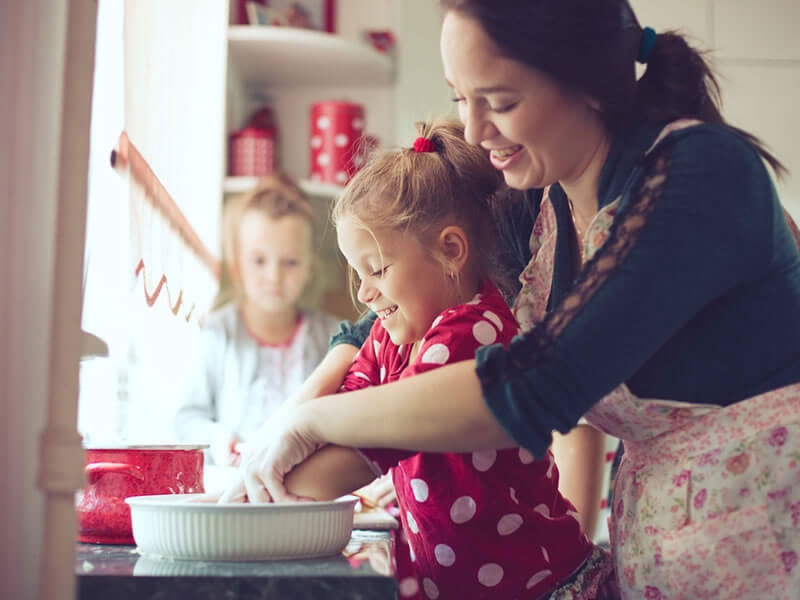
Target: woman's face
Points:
x,y
536,131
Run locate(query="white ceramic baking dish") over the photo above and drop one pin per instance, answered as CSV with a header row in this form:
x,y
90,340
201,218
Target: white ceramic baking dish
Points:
x,y
179,526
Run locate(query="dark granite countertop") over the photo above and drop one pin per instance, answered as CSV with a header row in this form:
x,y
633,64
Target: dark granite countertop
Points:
x,y
362,571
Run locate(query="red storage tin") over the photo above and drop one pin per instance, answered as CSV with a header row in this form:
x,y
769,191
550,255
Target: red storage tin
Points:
x,y
336,131
253,149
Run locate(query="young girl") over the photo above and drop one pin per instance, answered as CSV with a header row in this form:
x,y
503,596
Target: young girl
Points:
x,y
478,524
258,347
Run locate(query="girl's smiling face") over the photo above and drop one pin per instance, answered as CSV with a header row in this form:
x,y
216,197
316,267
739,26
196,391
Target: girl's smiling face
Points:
x,y
400,280
537,132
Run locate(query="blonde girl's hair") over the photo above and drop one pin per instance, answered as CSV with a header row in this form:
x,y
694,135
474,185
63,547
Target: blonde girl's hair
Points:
x,y
275,196
419,192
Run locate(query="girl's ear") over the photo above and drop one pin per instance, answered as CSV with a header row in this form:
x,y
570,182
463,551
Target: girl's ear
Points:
x,y
454,246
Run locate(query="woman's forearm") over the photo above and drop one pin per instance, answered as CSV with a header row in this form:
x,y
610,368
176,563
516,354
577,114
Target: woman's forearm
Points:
x,y
439,411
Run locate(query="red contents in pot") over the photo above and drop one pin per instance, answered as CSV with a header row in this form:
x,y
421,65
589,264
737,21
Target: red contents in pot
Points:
x,y
114,474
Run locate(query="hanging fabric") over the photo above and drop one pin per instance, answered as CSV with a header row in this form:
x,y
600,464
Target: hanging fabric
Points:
x,y
170,149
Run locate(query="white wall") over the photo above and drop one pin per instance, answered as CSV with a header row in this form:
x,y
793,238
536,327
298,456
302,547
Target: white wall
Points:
x,y
421,92
756,51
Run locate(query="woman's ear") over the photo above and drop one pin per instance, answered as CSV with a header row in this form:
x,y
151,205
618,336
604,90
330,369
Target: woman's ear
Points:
x,y
454,246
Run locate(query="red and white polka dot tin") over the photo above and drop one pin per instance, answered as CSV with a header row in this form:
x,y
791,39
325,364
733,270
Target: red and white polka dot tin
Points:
x,y
337,129
253,149
252,152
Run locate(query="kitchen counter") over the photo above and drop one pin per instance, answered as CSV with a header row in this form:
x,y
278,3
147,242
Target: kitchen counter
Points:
x,y
362,571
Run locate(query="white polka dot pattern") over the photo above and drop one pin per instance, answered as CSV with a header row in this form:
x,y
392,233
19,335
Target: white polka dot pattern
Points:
x,y
431,591
525,457
437,354
383,373
408,587
490,574
463,509
492,316
574,514
323,122
361,375
484,332
420,490
508,524
538,577
412,522
445,555
484,459
466,518
341,140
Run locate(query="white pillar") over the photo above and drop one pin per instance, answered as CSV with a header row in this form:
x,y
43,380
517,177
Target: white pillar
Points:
x,y
46,63
61,455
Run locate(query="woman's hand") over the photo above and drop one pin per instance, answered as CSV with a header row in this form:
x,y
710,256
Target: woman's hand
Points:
x,y
281,444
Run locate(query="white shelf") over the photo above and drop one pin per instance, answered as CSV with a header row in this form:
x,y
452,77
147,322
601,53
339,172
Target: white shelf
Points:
x,y
236,185
265,56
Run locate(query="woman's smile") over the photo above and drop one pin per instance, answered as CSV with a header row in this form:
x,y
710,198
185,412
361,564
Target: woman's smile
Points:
x,y
503,157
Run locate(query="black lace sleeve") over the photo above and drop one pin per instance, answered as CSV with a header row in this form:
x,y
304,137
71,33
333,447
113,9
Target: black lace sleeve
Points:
x,y
693,227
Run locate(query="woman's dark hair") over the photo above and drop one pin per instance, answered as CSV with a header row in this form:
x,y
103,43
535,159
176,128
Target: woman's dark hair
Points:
x,y
591,46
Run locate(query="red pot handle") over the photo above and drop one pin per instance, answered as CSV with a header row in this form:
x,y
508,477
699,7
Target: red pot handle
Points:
x,y
96,470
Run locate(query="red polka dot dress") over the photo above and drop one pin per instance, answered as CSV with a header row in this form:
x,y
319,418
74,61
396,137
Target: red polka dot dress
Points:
x,y
488,524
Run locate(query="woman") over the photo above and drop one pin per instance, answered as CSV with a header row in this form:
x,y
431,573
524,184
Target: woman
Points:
x,y
661,303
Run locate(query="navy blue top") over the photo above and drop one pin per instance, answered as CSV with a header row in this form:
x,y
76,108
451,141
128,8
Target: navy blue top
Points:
x,y
704,307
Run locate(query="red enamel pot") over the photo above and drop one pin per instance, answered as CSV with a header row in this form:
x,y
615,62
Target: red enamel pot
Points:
x,y
115,473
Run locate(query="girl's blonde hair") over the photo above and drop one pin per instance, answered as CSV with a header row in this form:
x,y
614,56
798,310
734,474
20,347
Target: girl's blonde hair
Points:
x,y
419,192
275,196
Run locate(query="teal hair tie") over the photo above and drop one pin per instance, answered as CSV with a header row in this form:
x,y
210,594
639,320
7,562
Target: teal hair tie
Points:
x,y
646,45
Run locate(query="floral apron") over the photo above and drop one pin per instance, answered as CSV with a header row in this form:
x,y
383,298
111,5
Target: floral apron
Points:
x,y
706,501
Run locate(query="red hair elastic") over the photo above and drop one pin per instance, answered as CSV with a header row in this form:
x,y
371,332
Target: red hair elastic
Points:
x,y
422,144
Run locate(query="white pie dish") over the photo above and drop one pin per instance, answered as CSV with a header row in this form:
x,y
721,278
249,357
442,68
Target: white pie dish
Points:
x,y
179,526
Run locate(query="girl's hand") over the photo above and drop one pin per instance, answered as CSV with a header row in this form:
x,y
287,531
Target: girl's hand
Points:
x,y
224,449
380,493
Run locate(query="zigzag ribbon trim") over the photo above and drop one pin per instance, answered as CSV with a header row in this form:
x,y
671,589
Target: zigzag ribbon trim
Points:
x,y
151,299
